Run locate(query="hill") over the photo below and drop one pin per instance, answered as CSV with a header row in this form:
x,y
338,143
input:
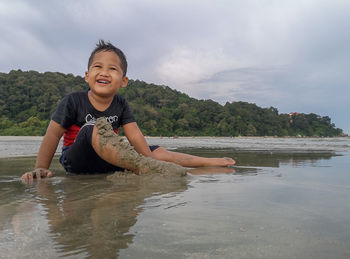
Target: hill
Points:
x,y
29,97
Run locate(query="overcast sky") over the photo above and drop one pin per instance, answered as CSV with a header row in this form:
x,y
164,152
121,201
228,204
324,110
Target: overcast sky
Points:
x,y
290,54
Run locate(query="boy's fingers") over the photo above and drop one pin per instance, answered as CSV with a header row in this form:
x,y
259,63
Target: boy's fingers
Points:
x,y
45,173
27,177
37,173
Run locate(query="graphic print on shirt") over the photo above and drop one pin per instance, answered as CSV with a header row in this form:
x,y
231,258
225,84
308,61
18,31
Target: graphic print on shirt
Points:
x,y
72,132
75,111
92,120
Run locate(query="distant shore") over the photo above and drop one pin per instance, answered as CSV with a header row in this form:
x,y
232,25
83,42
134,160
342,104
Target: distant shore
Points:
x,y
17,138
39,138
14,146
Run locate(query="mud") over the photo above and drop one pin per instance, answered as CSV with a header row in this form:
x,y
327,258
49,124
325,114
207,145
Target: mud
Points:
x,y
128,155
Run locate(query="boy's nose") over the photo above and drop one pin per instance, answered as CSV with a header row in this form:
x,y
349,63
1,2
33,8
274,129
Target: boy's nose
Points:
x,y
104,72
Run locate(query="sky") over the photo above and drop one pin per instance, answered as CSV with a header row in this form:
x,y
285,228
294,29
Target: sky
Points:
x,y
293,55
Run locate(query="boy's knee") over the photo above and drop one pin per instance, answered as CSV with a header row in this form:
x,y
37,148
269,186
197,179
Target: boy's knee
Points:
x,y
161,154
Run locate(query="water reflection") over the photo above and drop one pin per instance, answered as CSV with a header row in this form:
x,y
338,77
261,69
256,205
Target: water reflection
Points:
x,y
94,215
91,216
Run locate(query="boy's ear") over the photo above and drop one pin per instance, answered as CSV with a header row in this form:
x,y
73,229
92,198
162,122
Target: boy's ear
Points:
x,y
125,81
87,77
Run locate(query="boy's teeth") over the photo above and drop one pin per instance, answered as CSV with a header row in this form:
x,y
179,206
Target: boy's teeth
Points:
x,y
102,81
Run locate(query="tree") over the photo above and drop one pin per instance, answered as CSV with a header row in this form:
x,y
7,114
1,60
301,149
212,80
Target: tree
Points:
x,y
28,98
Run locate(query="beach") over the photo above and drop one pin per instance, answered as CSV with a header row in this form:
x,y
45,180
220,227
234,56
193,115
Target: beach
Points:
x,y
27,145
286,198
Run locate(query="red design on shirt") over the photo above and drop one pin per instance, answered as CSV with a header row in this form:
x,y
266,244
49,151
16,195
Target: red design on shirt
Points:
x,y
71,133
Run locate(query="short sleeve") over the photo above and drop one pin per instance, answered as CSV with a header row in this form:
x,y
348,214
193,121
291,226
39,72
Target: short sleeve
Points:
x,y
127,115
65,112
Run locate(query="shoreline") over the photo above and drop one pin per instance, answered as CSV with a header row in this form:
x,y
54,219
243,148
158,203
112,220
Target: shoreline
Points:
x,y
27,146
17,138
31,138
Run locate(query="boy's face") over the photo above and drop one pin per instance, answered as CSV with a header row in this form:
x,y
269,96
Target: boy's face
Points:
x,y
105,75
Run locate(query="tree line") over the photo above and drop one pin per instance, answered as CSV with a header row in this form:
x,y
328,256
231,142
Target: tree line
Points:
x,y
28,98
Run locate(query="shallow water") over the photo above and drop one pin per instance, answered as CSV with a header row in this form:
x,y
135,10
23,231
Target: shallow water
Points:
x,y
281,201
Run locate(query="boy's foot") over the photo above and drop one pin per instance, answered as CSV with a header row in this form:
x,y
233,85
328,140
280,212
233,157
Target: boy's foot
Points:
x,y
229,161
224,161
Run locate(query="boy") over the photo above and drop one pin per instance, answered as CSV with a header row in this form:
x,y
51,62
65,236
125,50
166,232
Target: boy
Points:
x,y
75,118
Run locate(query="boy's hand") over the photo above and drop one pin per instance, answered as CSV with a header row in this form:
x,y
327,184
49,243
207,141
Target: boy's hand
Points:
x,y
36,173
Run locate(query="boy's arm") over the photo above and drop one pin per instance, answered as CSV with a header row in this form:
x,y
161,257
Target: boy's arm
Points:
x,y
49,145
136,139
47,150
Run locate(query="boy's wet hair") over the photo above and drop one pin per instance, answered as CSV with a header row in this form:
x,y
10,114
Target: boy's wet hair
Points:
x,y
103,46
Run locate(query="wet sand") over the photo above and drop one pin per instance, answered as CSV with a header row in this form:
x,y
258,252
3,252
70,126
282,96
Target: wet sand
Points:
x,y
272,205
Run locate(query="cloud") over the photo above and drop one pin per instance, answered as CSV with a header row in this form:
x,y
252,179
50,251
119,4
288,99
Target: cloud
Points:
x,y
292,55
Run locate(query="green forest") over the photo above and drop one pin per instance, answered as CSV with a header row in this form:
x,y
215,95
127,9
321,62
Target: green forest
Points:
x,y
28,98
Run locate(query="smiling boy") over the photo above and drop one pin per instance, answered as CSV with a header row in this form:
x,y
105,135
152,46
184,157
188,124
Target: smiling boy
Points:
x,y
75,118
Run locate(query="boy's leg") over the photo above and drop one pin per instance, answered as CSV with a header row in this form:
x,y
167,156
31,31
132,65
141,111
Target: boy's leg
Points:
x,y
115,150
81,158
190,160
110,154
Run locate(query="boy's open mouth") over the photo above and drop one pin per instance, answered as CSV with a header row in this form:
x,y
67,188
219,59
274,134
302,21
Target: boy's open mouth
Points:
x,y
103,82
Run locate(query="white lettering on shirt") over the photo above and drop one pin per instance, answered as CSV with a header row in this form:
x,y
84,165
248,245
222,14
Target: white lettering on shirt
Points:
x,y
89,119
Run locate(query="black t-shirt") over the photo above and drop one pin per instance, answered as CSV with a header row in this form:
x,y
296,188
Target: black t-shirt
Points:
x,y
75,110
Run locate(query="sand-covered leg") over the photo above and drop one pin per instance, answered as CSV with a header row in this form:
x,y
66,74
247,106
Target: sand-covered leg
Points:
x,y
161,166
115,150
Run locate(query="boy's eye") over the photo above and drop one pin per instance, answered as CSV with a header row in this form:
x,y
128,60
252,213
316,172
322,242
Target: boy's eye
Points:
x,y
113,68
